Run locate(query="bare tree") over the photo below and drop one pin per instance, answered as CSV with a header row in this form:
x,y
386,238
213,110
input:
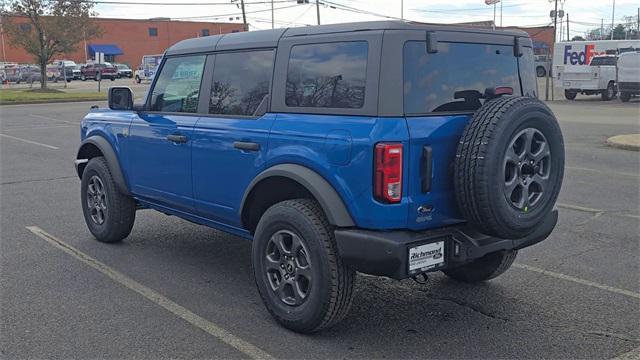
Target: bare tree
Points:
x,y
46,28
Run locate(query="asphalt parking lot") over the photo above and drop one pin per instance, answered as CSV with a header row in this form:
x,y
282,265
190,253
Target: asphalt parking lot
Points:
x,y
173,289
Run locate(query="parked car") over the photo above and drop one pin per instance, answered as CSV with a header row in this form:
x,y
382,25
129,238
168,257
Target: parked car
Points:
x,y
98,72
124,71
30,74
628,75
71,68
599,78
542,64
12,73
389,148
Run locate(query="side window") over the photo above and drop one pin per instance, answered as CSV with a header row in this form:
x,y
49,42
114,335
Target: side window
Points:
x,y
241,80
178,85
454,78
330,75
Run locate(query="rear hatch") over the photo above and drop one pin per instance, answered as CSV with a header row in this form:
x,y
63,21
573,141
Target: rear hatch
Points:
x,y
441,92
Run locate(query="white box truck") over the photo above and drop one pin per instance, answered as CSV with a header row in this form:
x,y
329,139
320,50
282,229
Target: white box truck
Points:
x,y
588,67
628,75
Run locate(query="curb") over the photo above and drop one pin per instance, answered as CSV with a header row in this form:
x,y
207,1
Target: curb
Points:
x,y
625,142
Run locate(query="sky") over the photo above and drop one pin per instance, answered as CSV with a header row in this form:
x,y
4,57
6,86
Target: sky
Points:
x,y
584,14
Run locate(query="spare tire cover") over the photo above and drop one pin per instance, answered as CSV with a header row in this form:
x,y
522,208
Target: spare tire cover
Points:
x,y
509,166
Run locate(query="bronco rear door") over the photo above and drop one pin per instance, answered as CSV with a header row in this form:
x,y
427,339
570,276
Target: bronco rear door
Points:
x,y
445,76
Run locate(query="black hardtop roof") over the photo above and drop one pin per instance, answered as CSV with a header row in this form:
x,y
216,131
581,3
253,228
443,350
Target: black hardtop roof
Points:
x,y
270,38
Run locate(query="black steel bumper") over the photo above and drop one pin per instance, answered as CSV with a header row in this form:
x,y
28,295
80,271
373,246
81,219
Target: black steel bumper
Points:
x,y
385,253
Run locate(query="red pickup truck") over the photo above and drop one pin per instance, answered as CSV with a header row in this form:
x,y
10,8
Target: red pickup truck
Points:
x,y
98,71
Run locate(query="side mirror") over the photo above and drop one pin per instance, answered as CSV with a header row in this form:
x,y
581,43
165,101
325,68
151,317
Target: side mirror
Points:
x,y
120,98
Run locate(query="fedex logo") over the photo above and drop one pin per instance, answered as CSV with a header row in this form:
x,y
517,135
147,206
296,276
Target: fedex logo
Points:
x,y
582,57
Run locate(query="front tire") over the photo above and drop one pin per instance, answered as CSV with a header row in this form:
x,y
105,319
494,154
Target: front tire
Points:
x,y
485,268
570,95
540,71
300,277
138,80
109,214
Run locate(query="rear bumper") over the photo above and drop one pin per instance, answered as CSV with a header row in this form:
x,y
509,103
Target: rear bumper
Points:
x,y
385,253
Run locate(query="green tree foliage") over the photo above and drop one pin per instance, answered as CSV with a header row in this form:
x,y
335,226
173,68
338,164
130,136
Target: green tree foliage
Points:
x,y
46,28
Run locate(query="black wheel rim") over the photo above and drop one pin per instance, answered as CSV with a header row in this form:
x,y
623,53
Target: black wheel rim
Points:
x,y
527,169
287,268
96,200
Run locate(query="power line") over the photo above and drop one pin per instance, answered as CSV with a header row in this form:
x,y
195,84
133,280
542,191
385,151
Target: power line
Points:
x,y
106,2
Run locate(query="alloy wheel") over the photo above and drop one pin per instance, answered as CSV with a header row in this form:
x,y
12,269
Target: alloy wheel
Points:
x,y
527,164
96,200
287,268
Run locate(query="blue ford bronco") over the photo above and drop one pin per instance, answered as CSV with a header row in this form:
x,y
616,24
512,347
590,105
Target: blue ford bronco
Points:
x,y
389,148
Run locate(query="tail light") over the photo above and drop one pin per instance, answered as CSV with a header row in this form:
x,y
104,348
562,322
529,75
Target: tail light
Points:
x,y
387,183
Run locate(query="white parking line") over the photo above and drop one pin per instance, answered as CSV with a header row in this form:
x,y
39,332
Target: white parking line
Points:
x,y
601,172
578,280
209,327
53,119
29,141
634,354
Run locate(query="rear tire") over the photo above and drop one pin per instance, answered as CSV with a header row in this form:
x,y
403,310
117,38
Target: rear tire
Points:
x,y
609,93
509,167
540,71
109,214
302,282
625,96
138,79
485,268
570,95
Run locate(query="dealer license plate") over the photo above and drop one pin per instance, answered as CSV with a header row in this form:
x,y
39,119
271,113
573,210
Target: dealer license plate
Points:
x,y
425,257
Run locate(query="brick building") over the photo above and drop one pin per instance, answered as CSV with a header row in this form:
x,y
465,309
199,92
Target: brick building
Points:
x,y
127,40
542,36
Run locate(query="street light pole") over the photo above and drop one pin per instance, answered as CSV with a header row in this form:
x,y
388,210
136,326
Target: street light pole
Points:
x,y
273,20
318,10
244,16
401,9
613,14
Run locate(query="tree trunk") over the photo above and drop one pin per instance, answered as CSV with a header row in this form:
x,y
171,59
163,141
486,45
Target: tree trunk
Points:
x,y
43,75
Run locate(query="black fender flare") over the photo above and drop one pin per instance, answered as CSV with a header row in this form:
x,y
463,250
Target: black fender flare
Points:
x,y
109,155
325,194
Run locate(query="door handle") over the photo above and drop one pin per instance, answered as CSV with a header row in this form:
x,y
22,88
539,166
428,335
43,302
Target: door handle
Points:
x,y
178,139
249,146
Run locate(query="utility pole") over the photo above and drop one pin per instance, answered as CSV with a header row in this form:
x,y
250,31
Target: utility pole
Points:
x,y
501,13
613,14
244,16
273,19
318,10
568,35
601,28
555,25
401,9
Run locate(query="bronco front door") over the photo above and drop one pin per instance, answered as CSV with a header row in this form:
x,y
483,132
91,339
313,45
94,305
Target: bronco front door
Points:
x,y
161,137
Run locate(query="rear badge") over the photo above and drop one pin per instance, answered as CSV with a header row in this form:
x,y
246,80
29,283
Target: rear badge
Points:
x,y
424,213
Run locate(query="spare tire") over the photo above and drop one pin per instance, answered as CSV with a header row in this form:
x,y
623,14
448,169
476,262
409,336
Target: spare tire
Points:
x,y
509,166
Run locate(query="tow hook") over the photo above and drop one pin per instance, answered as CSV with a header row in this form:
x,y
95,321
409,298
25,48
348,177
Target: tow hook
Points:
x,y
420,279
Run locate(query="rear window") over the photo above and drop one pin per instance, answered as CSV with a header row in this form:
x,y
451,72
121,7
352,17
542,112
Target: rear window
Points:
x,y
597,61
453,78
330,75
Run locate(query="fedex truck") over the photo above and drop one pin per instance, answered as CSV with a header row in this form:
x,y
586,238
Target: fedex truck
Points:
x,y
147,68
588,67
